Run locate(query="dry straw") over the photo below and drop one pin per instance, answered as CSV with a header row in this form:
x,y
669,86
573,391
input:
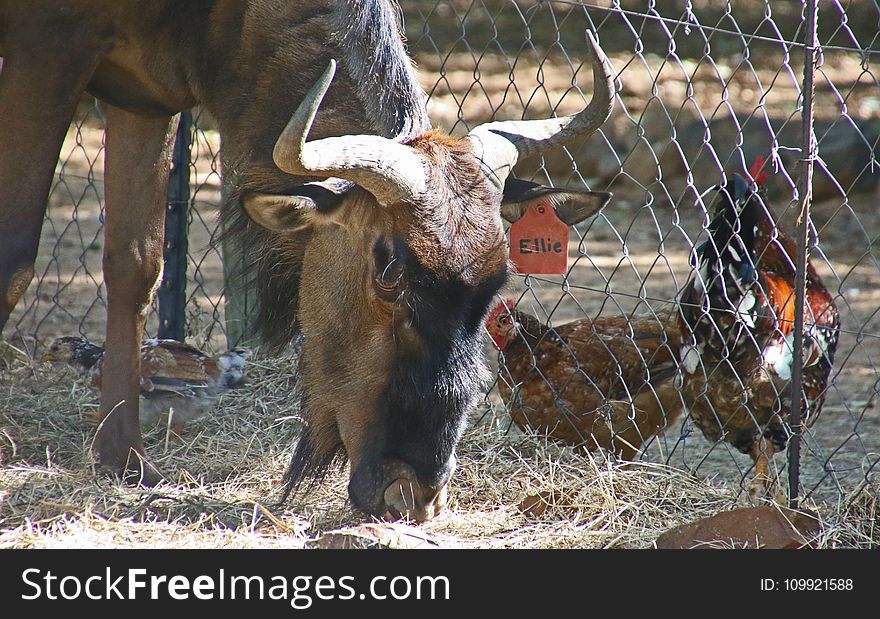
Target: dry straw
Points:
x,y
509,491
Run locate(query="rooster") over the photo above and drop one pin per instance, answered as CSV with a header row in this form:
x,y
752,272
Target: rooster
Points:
x,y
737,316
174,376
590,383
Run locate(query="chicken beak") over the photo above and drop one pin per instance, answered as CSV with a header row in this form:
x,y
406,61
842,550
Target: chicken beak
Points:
x,y
501,336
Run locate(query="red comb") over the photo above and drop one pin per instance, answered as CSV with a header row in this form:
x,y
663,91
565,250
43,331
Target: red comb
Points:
x,y
757,171
502,308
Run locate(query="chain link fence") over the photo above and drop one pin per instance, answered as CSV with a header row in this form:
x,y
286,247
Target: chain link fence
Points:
x,y
67,295
705,87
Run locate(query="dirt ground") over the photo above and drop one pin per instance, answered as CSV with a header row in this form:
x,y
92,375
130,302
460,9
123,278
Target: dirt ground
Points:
x,y
666,143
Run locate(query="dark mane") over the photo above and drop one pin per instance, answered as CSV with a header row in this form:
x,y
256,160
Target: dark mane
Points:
x,y
370,36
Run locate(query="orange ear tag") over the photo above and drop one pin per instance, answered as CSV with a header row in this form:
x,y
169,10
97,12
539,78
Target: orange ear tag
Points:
x,y
539,242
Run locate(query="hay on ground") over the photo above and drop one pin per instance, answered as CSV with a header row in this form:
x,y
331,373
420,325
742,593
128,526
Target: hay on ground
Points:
x,y
509,491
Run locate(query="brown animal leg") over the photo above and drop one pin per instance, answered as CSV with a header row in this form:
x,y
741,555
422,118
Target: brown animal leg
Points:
x,y
136,179
761,483
42,79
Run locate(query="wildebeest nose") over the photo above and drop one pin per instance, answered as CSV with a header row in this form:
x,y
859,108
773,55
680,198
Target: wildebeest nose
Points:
x,y
407,498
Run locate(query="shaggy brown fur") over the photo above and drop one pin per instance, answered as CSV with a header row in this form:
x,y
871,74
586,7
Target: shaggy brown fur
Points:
x,y
457,233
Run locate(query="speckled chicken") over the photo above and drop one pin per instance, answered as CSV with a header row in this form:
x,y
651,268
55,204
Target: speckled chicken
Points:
x,y
737,317
174,376
605,383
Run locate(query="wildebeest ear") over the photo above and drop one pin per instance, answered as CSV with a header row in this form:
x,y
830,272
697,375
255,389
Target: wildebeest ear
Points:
x,y
572,205
288,213
279,213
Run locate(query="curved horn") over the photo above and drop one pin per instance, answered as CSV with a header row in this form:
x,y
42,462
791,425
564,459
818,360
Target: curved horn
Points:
x,y
392,172
499,144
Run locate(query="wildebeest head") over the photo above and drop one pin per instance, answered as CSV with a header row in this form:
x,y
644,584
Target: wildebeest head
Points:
x,y
397,275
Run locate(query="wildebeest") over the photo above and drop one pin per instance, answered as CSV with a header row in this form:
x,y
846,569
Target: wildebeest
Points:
x,y
376,237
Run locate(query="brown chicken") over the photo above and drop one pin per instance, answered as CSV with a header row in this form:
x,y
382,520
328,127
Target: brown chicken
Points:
x,y
737,317
174,376
605,383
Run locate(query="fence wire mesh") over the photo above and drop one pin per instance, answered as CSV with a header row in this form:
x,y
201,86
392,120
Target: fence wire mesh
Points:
x,y
67,294
705,87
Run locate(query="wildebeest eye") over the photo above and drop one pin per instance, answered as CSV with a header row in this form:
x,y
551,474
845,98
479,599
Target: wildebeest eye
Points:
x,y
391,276
389,271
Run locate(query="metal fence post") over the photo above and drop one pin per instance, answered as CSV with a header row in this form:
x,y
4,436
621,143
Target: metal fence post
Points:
x,y
172,292
805,188
239,289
